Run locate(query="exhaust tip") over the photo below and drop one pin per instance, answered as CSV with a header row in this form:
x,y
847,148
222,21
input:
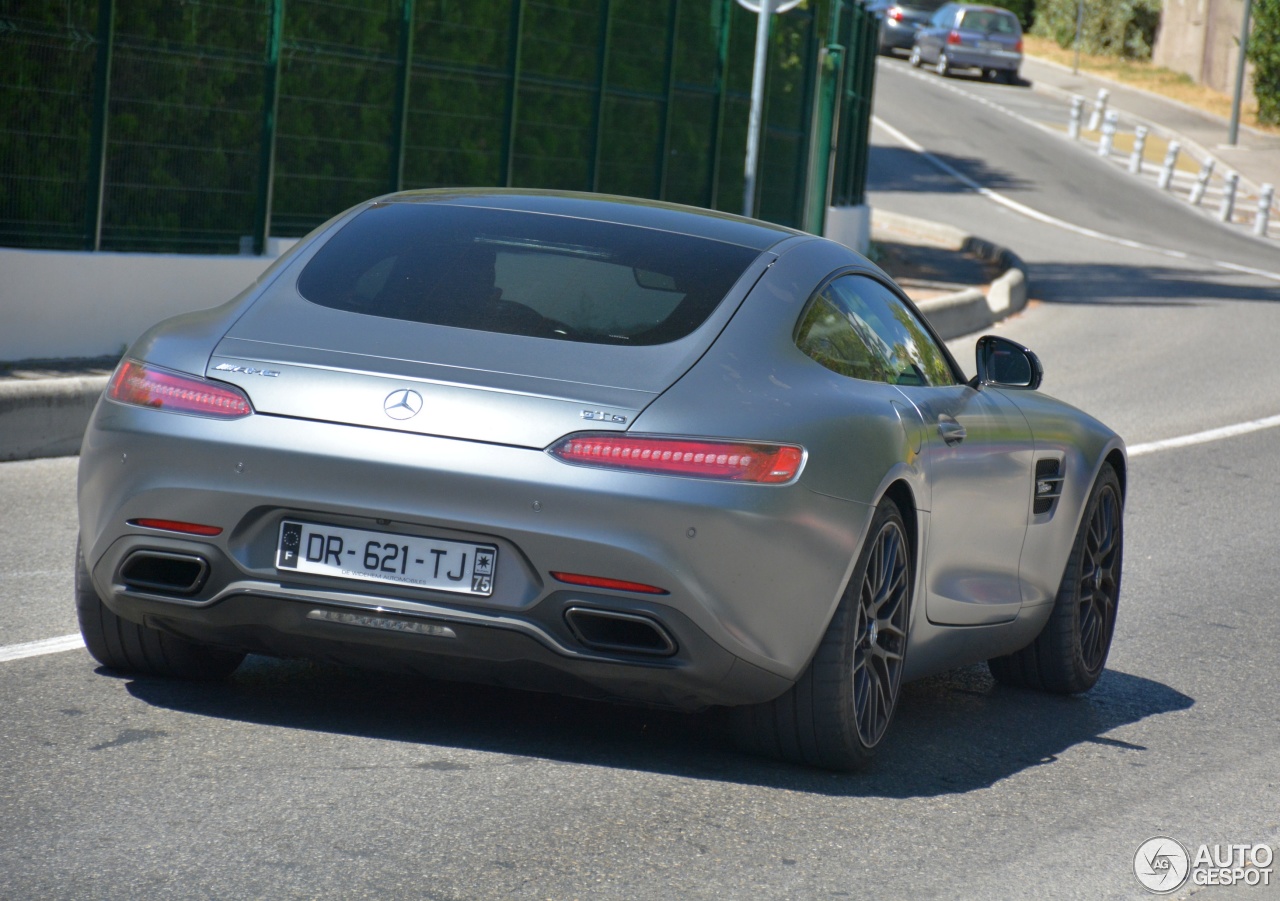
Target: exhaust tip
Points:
x,y
164,571
628,633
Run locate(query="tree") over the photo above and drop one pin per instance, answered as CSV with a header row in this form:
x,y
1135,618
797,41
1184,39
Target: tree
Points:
x,y
1264,53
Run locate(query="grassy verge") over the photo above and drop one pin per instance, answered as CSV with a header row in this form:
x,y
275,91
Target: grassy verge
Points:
x,y
1144,75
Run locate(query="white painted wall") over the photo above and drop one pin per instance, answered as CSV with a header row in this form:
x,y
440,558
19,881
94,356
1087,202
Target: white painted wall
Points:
x,y
56,305
850,225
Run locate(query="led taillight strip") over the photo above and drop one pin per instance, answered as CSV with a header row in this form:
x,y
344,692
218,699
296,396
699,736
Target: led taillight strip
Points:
x,y
733,461
172,525
143,385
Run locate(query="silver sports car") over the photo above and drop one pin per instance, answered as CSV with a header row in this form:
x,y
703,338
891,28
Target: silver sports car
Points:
x,y
599,446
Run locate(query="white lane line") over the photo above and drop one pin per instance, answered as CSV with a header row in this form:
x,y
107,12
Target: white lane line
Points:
x,y
1029,212
1228,431
40,648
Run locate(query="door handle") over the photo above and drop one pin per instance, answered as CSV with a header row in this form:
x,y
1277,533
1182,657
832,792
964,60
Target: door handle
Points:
x,y
951,431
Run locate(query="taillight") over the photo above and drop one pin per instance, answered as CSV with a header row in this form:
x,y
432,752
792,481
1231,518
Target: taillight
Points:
x,y
953,37
1018,46
895,14
150,386
733,461
173,525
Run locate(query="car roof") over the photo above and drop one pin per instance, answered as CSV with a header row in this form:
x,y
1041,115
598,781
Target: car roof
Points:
x,y
656,214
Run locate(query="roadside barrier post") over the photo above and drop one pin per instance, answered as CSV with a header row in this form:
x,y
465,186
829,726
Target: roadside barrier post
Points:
x,y
1202,182
1108,136
1099,109
1077,113
1170,163
1139,148
1229,196
1264,210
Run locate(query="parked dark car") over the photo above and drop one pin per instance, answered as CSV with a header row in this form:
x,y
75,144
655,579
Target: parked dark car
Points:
x,y
965,36
899,20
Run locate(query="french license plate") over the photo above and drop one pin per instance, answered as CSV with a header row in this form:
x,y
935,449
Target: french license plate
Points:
x,y
990,45
456,566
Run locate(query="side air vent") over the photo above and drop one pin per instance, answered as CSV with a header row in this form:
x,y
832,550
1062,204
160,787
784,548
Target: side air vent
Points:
x,y
1048,486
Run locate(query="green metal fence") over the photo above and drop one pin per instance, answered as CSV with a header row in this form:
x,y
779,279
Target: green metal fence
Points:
x,y
208,125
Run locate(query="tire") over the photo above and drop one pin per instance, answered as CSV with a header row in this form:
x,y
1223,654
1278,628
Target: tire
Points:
x,y
127,647
1070,652
838,712
943,66
1009,76
915,59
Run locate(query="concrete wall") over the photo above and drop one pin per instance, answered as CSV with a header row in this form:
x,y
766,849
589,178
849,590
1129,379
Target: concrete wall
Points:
x,y
55,305
1201,38
58,305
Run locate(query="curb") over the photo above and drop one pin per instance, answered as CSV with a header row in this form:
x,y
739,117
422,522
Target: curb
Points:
x,y
46,417
970,310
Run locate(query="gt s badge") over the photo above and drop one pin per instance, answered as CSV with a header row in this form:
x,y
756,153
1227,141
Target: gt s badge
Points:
x,y
602,416
247,370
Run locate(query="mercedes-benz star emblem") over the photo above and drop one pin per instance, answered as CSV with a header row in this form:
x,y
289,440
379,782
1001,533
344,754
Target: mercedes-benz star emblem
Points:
x,y
402,404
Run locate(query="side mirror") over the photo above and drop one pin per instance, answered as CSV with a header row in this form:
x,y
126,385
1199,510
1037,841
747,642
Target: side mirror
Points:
x,y
1006,364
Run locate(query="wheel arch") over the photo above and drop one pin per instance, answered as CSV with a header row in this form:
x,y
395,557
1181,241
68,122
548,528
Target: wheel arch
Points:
x,y
1118,462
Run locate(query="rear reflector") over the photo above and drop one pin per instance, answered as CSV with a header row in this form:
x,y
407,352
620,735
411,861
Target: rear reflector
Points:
x,y
601,582
150,386
732,461
172,525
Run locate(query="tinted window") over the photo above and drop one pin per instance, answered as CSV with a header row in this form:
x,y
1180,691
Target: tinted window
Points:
x,y
943,17
523,273
859,328
989,22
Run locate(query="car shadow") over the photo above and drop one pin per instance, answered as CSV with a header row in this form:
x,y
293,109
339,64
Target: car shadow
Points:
x,y
953,733
1109,284
900,169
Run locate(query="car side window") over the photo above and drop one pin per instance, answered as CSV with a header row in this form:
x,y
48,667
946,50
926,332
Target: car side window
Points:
x,y
859,328
942,18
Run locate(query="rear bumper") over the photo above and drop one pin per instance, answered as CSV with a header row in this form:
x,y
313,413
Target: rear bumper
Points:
x,y
968,58
753,573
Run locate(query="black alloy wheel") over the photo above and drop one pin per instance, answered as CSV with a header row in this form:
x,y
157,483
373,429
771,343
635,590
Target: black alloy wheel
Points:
x,y
840,708
880,632
1099,580
1070,652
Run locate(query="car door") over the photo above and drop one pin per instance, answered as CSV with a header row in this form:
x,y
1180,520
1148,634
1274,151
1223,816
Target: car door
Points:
x,y
975,448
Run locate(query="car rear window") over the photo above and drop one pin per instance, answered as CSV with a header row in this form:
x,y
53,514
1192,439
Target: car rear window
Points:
x,y
989,22
523,273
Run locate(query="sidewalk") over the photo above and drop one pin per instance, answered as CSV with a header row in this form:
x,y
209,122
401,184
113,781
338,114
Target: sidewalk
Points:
x,y
1202,136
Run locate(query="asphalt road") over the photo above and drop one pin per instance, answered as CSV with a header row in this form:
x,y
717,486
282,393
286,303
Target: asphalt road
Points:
x,y
297,780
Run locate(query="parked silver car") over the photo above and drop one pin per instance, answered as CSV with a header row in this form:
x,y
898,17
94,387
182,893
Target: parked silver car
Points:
x,y
600,446
966,36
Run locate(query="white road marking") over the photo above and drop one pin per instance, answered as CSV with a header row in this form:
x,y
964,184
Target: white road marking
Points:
x,y
1030,213
1228,431
40,648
